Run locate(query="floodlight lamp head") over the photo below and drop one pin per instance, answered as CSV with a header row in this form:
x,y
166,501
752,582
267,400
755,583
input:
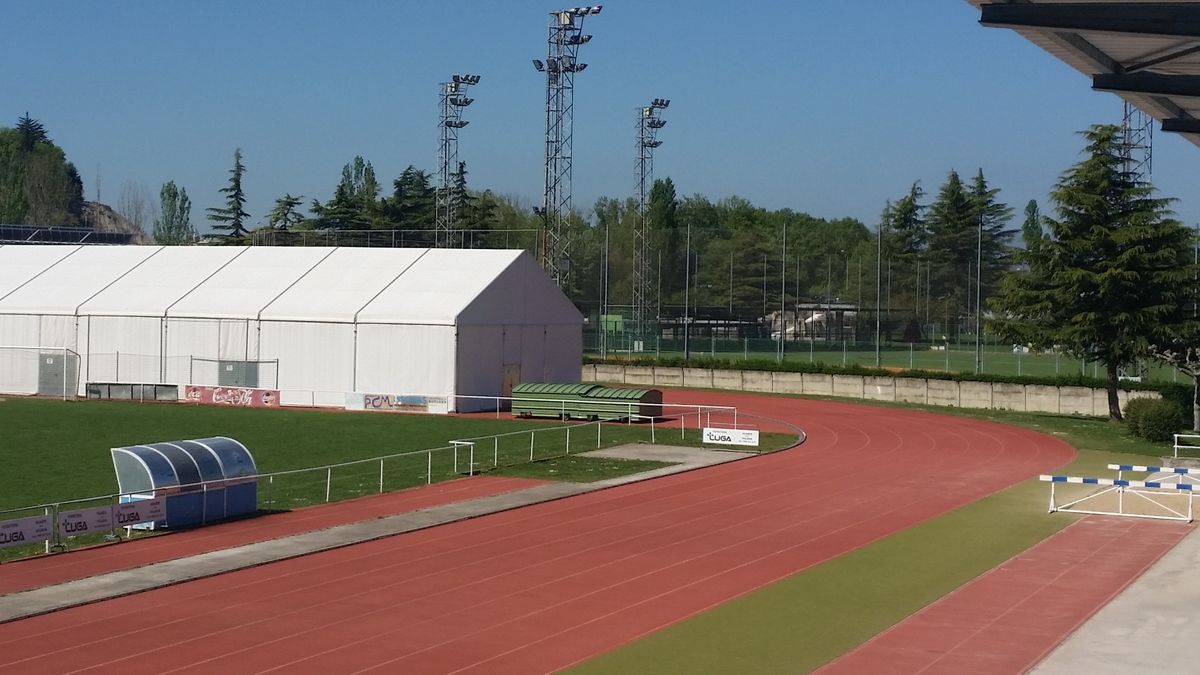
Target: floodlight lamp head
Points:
x,y
462,101
470,79
552,65
656,123
456,79
660,103
538,65
579,67
652,144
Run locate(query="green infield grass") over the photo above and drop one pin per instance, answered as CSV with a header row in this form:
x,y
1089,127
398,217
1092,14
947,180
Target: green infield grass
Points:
x,y
54,451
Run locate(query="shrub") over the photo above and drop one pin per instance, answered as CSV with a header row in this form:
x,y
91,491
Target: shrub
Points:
x,y
1159,420
1135,411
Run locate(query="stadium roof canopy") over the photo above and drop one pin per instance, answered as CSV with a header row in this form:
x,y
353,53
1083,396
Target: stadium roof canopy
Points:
x,y
1148,53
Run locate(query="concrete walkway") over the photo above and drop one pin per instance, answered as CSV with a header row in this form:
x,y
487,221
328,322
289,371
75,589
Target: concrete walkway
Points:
x,y
126,582
1152,624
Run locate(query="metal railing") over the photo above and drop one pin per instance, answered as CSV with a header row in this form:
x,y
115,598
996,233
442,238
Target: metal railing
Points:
x,y
1191,443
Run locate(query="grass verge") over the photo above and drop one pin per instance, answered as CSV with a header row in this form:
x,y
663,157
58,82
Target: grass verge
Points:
x,y
579,468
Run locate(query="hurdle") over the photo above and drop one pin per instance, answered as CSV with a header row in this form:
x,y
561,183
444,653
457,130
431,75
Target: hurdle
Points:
x,y
1150,491
1179,472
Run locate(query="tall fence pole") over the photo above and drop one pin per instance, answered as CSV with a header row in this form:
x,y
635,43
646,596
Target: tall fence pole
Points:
x,y
568,440
328,482
471,461
531,433
495,451
429,468
381,476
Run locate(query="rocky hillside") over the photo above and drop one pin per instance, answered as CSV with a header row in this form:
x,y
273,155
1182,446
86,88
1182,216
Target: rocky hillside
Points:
x,y
103,218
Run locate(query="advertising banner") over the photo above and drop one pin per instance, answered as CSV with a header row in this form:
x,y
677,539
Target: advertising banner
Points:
x,y
397,403
731,436
83,521
133,512
32,530
232,396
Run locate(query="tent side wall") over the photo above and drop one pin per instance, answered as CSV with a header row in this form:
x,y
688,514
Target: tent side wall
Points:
x,y
121,348
419,359
313,357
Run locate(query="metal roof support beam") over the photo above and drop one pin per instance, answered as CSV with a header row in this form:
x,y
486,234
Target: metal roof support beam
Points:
x,y
1181,125
1149,83
1170,19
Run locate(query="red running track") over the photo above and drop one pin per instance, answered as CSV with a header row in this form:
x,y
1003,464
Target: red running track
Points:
x,y
46,570
1009,619
541,588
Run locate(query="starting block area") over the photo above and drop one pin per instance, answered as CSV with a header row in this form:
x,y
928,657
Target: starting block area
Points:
x,y
1167,493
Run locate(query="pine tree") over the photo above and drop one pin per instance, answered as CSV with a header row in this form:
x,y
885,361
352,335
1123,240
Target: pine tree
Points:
x,y
231,219
1111,280
32,132
286,213
951,248
174,224
994,237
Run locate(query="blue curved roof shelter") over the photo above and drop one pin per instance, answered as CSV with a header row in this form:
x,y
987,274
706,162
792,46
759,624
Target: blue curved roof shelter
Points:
x,y
203,480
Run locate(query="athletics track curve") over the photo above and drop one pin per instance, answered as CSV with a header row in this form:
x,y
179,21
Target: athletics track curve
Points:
x,y
540,588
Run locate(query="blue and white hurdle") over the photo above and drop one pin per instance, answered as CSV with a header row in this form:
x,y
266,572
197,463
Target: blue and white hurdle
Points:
x,y
1151,491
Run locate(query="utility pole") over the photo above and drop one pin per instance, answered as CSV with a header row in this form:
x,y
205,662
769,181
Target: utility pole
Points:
x,y
878,289
687,285
978,296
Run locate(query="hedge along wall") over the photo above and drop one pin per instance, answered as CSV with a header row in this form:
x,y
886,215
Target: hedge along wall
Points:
x,y
1058,399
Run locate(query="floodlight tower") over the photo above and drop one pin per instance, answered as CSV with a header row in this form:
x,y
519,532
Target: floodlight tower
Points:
x,y
452,100
648,124
564,37
1137,142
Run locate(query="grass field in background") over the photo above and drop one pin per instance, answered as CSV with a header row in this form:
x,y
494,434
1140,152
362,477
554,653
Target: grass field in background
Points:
x,y
958,359
811,618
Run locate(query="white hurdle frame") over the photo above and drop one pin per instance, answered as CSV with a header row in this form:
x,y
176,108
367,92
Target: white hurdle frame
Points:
x,y
1146,490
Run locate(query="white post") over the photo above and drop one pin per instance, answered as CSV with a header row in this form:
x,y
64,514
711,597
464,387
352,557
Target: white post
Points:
x,y
456,458
651,429
64,364
531,433
683,425
735,418
568,440
471,459
381,476
1052,509
495,451
497,407
598,433
429,468
328,482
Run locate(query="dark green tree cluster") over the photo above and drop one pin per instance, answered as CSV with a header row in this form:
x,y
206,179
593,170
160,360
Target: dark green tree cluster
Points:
x,y
38,186
942,260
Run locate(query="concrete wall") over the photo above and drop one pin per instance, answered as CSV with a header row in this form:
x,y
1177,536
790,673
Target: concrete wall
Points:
x,y
998,395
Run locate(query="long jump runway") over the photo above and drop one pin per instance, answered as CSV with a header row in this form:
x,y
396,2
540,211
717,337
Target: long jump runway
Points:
x,y
541,588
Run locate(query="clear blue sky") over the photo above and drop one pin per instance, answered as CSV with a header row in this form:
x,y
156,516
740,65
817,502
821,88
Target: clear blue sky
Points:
x,y
824,107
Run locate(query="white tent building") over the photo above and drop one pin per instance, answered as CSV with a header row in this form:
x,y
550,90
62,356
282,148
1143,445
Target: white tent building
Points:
x,y
315,324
